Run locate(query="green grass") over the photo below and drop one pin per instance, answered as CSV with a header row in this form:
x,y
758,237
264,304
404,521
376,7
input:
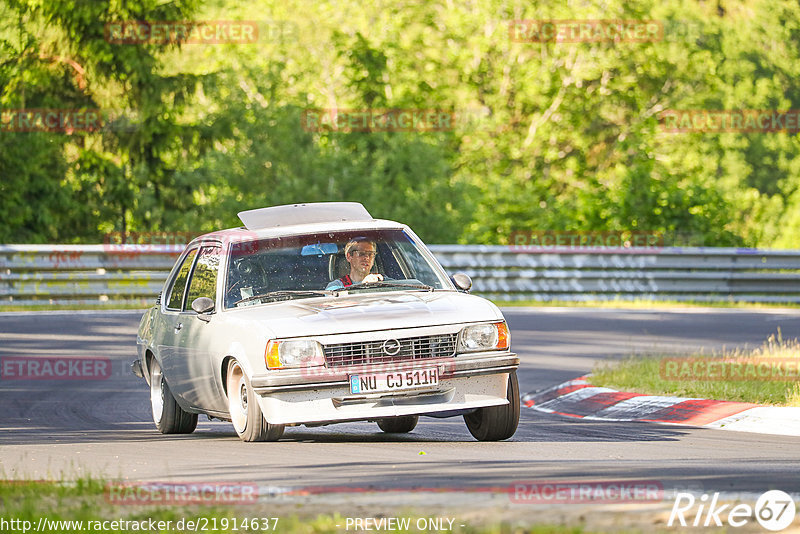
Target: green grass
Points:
x,y
86,500
680,376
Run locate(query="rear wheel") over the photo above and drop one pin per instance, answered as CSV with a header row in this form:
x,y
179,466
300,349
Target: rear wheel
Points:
x,y
168,416
398,425
495,423
244,410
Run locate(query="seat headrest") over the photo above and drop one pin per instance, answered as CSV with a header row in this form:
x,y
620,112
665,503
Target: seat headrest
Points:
x,y
338,266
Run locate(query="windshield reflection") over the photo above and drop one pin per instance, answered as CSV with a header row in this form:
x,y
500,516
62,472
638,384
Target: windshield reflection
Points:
x,y
322,264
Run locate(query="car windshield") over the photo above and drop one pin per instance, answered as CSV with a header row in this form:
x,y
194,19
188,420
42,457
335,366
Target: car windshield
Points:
x,y
313,265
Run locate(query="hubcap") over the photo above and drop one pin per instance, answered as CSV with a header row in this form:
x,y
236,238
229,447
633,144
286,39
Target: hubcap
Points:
x,y
243,396
237,398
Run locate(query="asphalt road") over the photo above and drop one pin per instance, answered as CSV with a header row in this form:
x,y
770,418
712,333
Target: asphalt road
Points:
x,y
65,429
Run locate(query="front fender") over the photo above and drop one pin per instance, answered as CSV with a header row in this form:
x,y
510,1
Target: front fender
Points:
x,y
235,351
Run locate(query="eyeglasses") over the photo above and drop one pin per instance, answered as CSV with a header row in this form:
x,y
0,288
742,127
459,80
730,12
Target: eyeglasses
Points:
x,y
365,253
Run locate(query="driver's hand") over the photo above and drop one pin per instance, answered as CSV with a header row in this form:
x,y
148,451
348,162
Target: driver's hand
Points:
x,y
373,277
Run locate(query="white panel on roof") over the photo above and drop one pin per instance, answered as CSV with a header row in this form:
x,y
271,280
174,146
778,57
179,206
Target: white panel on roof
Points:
x,y
292,214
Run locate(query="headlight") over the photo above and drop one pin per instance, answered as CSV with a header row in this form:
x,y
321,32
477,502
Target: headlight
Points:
x,y
294,353
490,336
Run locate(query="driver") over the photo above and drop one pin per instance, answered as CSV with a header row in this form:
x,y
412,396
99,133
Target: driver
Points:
x,y
360,254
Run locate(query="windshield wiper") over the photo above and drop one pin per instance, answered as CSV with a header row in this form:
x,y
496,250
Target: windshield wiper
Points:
x,y
369,285
285,293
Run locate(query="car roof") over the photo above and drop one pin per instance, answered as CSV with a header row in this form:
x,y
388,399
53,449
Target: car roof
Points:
x,y
300,219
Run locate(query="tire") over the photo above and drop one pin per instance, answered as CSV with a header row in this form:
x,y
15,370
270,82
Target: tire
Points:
x,y
168,416
398,425
244,410
495,423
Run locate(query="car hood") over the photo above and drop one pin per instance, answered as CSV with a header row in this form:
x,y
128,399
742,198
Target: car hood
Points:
x,y
358,313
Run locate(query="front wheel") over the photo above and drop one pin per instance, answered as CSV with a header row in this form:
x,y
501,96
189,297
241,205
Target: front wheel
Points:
x,y
398,425
244,410
168,416
495,423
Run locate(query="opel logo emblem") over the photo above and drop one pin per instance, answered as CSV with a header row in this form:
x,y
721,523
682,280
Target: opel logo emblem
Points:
x,y
391,347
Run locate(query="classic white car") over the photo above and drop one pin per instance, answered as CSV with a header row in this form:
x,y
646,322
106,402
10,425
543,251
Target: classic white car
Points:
x,y
315,314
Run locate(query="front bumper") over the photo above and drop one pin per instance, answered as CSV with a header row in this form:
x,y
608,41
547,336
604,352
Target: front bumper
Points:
x,y
321,395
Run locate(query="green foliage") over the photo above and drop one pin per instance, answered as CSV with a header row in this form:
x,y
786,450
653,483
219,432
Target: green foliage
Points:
x,y
551,136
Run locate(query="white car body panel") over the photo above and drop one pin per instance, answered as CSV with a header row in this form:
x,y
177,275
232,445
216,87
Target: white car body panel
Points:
x,y
194,351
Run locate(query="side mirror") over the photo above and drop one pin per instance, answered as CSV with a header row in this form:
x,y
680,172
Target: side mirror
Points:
x,y
462,281
203,305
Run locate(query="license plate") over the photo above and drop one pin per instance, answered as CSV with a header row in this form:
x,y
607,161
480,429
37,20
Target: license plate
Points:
x,y
399,381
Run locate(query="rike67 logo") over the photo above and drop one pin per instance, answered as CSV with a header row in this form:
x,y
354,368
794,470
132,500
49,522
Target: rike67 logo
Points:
x,y
774,510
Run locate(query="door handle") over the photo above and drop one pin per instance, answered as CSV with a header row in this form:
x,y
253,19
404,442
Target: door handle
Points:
x,y
178,327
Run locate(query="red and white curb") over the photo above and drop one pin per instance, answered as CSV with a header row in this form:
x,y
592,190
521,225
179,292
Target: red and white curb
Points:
x,y
577,398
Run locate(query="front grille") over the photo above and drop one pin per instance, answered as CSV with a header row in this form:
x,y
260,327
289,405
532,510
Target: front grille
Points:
x,y
371,352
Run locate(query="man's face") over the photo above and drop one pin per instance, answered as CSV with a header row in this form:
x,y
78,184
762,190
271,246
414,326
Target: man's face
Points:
x,y
361,257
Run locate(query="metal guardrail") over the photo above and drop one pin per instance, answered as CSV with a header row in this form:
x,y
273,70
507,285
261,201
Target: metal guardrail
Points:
x,y
595,273
84,274
113,274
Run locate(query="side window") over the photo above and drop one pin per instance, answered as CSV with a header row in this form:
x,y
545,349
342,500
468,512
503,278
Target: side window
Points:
x,y
179,284
204,276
